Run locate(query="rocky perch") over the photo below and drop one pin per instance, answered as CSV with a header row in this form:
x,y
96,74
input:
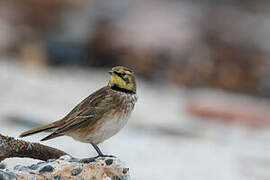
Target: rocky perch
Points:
x,y
66,167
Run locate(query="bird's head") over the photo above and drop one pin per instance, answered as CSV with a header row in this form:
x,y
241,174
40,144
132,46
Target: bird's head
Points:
x,y
122,79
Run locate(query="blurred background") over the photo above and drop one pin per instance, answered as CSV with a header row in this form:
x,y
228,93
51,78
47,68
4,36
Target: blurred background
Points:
x,y
202,71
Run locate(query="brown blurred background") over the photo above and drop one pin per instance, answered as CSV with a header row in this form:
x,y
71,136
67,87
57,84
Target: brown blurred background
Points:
x,y
219,44
195,60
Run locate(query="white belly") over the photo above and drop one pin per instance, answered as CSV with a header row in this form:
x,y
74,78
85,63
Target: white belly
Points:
x,y
108,129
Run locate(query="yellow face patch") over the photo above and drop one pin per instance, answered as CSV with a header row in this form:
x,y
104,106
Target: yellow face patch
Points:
x,y
123,79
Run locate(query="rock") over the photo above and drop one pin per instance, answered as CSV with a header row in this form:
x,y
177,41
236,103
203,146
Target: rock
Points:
x,y
74,159
109,162
103,168
41,163
65,157
20,168
33,167
57,177
7,175
76,171
45,169
51,160
2,165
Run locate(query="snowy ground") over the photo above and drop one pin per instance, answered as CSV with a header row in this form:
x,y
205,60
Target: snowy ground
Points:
x,y
160,141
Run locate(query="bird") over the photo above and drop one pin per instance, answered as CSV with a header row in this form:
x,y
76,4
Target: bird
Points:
x,y
100,115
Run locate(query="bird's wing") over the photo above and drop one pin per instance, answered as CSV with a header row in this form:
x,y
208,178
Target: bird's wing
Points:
x,y
88,112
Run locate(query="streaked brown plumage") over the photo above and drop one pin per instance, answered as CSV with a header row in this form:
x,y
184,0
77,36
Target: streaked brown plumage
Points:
x,y
100,115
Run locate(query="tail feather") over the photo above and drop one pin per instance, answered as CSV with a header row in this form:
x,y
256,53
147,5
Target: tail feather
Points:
x,y
40,129
51,136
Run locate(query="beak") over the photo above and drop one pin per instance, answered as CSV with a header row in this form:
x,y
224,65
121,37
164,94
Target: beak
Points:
x,y
110,72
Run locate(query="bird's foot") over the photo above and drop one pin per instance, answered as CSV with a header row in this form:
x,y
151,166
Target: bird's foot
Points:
x,y
104,155
93,159
88,160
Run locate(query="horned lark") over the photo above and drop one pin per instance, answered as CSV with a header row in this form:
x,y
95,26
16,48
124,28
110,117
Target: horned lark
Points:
x,y
101,115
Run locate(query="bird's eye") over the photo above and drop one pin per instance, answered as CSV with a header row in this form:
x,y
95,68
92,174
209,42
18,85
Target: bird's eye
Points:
x,y
123,73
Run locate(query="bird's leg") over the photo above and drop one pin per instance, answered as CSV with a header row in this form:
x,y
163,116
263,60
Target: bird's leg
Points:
x,y
98,150
100,154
